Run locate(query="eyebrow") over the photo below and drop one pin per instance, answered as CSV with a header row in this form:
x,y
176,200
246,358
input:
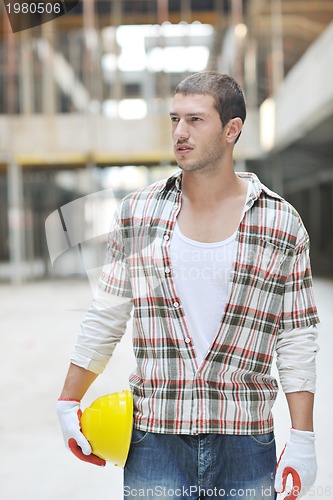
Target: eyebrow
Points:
x,y
173,113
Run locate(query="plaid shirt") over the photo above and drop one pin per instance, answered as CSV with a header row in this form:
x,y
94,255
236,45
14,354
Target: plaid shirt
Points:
x,y
232,391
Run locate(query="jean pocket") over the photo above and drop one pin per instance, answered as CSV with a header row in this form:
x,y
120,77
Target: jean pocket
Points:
x,y
264,440
138,436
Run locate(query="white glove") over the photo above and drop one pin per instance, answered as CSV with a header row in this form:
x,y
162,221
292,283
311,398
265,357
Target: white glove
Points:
x,y
69,414
298,459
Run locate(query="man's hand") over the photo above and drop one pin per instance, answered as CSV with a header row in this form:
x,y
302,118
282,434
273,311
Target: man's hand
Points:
x,y
298,459
69,414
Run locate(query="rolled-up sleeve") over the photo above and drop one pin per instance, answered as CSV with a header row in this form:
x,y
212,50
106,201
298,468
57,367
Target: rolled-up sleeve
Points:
x,y
106,319
296,359
100,331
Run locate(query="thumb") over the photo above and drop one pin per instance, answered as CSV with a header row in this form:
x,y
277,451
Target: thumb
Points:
x,y
82,441
93,459
83,444
296,483
280,481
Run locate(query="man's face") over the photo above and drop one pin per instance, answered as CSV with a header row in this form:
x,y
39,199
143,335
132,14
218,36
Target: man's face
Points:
x,y
197,132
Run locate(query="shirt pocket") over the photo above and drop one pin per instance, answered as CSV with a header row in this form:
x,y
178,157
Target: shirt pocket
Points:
x,y
268,269
269,266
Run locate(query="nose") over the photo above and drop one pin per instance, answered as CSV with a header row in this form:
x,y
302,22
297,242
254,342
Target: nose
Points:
x,y
181,131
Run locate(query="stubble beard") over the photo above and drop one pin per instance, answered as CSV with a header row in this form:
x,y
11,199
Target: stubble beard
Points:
x,y
210,163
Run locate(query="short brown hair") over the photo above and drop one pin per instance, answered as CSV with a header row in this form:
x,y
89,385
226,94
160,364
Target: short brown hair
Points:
x,y
227,93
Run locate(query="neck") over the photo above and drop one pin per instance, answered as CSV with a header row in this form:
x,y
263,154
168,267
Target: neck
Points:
x,y
206,188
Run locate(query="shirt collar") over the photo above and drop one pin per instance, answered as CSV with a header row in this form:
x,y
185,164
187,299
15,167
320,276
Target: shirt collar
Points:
x,y
174,182
256,189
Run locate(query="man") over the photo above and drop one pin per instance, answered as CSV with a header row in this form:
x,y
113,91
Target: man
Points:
x,y
217,269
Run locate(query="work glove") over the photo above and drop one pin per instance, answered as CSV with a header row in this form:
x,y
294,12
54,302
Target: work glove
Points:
x,y
298,459
69,414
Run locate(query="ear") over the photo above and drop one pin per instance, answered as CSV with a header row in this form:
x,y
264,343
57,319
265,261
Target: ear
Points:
x,y
233,130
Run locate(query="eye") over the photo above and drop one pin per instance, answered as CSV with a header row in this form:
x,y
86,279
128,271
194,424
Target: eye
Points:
x,y
196,119
174,119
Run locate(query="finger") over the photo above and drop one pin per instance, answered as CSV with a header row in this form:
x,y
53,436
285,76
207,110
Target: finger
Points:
x,y
93,459
278,485
280,482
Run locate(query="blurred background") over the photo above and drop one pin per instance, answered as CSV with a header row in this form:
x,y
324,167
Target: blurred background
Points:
x,y
84,102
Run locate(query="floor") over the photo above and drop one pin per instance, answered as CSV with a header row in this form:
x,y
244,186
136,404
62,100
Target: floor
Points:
x,y
39,322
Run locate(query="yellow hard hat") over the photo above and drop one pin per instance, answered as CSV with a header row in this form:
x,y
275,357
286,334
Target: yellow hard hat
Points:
x,y
107,425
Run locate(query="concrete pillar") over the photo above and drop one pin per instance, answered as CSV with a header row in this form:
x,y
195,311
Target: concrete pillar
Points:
x,y
117,89
185,15
75,52
49,101
162,11
277,45
185,10
92,70
9,67
26,74
148,90
15,221
239,38
250,73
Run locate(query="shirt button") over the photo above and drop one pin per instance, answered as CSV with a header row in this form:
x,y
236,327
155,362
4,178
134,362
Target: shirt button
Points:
x,y
167,270
166,237
176,305
188,340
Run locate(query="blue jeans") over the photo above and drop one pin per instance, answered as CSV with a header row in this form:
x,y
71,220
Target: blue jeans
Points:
x,y
200,467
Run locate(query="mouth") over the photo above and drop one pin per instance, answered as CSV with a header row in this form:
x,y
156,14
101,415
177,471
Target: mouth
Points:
x,y
183,149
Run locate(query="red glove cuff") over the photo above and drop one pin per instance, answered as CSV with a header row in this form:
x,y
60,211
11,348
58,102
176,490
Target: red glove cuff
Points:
x,y
69,399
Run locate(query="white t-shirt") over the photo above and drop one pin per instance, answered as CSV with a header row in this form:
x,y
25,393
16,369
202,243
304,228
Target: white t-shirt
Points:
x,y
201,272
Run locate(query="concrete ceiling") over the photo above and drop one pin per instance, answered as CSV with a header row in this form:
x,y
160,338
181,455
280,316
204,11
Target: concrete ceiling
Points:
x,y
302,21
299,23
